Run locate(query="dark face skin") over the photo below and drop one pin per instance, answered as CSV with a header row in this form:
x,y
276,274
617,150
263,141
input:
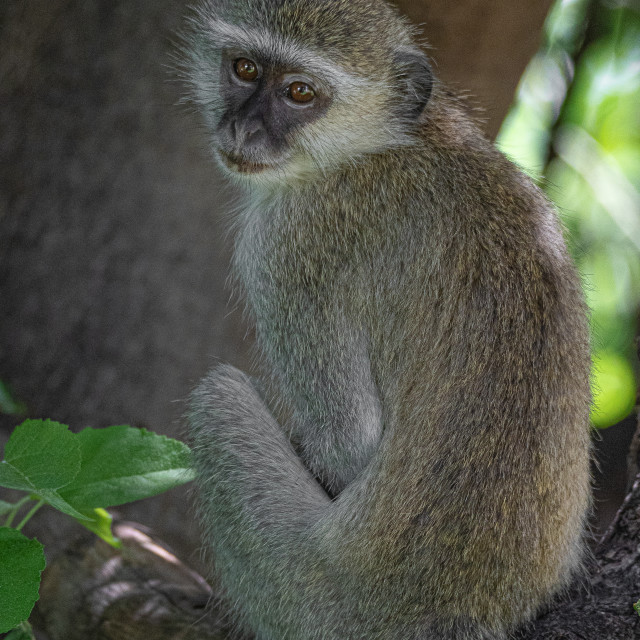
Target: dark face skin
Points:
x,y
264,106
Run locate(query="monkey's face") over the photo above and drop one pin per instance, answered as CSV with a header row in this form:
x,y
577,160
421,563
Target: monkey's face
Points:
x,y
264,106
299,92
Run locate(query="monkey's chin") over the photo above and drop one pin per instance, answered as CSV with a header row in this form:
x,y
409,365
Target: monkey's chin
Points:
x,y
237,164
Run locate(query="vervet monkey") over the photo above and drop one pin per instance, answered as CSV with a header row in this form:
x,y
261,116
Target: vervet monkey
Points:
x,y
423,323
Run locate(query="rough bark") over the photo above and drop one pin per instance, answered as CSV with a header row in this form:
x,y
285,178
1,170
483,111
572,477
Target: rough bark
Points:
x,y
601,608
142,592
92,591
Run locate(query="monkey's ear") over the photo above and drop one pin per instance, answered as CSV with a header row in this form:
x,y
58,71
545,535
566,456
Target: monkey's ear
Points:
x,y
415,80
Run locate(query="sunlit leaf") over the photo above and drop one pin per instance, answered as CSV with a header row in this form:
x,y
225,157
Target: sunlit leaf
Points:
x,y
99,522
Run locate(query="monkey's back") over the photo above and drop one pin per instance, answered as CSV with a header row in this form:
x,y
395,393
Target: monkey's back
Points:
x,y
482,477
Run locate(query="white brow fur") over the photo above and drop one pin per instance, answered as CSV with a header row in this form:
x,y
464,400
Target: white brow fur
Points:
x,y
288,52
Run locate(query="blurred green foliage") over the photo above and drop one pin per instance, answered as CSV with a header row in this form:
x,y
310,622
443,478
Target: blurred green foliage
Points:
x,y
575,128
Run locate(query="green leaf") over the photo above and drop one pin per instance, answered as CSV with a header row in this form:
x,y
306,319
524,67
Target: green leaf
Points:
x,y
8,404
99,522
40,454
121,464
21,562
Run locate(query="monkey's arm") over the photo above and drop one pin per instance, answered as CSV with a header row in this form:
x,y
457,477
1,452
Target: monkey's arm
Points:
x,y
243,455
317,346
337,415
257,504
295,564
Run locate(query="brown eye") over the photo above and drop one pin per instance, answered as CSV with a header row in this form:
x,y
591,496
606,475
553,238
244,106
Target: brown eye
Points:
x,y
246,69
300,92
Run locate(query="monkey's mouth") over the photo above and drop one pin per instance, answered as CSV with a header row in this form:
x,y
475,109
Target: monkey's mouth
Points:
x,y
242,165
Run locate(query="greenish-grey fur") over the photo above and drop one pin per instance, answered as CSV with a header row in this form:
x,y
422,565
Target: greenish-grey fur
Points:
x,y
426,329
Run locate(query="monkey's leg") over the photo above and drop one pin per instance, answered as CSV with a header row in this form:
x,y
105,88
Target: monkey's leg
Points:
x,y
270,525
295,565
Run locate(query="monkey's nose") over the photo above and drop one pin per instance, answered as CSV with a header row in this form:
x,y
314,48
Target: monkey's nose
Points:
x,y
249,134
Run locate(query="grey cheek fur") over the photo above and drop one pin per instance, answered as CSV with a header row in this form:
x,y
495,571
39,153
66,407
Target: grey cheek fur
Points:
x,y
424,327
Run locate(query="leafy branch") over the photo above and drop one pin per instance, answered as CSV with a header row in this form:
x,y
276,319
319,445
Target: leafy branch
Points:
x,y
79,474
